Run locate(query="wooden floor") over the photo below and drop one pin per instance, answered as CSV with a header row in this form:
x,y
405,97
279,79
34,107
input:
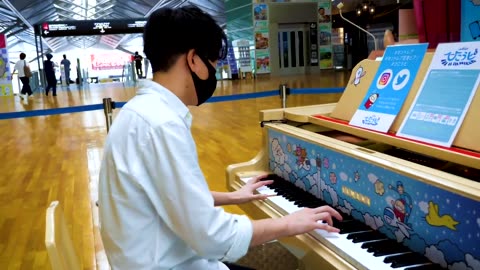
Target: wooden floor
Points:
x,y
57,157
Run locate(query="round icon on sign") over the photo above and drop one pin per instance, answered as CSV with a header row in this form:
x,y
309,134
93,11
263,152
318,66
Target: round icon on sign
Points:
x,y
401,79
385,78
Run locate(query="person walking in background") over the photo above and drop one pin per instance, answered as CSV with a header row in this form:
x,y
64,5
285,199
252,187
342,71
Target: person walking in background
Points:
x,y
66,65
20,66
138,65
49,68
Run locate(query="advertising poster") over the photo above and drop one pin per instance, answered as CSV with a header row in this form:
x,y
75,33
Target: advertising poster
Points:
x,y
325,34
326,57
260,12
470,20
6,88
262,61
261,37
109,61
324,12
445,95
390,88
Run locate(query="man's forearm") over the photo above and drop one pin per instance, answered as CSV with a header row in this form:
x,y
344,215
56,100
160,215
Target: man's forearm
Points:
x,y
266,230
223,198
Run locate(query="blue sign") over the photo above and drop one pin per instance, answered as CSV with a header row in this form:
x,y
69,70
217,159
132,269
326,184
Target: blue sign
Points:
x,y
390,87
470,20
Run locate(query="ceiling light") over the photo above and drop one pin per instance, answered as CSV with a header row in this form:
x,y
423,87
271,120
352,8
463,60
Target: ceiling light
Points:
x,y
365,5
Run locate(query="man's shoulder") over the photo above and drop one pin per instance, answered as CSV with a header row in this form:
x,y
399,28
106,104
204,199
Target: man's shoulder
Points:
x,y
152,109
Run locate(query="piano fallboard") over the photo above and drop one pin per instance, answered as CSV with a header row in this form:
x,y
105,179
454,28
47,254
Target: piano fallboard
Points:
x,y
433,213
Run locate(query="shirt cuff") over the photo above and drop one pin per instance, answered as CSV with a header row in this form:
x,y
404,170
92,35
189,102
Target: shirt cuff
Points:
x,y
242,240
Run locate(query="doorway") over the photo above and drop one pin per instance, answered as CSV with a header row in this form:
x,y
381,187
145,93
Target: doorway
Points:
x,y
292,48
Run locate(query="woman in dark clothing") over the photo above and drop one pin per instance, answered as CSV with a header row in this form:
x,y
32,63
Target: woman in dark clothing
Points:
x,y
49,69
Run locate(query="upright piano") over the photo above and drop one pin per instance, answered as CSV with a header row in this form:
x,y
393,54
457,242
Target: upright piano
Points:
x,y
405,204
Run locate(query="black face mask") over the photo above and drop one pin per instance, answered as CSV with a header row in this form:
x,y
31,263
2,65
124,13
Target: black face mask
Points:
x,y
205,88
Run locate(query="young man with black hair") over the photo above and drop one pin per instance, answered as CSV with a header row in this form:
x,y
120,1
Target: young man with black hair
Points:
x,y
156,211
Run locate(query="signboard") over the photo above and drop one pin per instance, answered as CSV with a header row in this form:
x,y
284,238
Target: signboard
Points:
x,y
390,88
109,61
6,88
470,20
446,93
90,28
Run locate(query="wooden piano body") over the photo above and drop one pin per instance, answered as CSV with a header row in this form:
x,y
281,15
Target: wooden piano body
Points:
x,y
368,174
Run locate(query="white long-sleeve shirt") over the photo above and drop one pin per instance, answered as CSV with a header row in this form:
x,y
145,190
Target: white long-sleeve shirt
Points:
x,y
156,210
19,67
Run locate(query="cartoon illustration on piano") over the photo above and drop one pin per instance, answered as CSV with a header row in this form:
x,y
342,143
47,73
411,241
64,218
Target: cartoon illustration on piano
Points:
x,y
302,161
356,176
429,231
358,76
403,206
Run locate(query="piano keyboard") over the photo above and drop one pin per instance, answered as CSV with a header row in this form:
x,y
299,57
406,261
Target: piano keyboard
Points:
x,y
363,245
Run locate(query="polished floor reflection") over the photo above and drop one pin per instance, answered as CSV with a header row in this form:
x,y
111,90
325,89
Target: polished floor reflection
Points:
x,y
57,157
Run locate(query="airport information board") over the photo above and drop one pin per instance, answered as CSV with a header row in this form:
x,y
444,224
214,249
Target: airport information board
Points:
x,y
90,28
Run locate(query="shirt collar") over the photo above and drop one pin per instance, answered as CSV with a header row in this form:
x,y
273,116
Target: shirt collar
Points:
x,y
175,104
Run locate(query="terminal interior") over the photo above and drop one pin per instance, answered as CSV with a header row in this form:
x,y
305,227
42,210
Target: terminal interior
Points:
x,y
55,156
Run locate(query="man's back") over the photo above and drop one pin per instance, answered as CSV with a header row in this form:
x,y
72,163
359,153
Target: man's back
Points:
x,y
66,63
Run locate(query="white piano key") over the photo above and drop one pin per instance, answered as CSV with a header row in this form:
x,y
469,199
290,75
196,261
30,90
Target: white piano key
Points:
x,y
338,241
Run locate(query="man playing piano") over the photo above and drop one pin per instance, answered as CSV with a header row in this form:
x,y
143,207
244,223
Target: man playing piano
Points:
x,y
156,211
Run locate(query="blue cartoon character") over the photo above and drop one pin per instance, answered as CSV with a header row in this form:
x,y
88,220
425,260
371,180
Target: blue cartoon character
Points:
x,y
404,200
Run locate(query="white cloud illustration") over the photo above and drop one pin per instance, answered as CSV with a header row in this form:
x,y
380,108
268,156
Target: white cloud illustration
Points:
x,y
435,256
423,206
372,178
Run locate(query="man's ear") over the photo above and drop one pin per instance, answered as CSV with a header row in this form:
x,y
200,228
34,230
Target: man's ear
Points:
x,y
191,59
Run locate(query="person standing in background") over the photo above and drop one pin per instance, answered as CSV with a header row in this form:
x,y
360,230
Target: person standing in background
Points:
x,y
49,68
138,65
66,64
26,89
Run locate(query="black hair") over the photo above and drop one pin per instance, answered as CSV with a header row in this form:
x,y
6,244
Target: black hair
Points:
x,y
171,32
22,56
321,8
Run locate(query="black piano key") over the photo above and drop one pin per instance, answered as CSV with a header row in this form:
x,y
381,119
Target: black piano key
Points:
x,y
406,259
389,250
365,236
351,226
384,247
425,267
377,244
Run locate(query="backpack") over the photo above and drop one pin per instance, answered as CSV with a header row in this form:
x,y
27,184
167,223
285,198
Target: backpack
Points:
x,y
26,70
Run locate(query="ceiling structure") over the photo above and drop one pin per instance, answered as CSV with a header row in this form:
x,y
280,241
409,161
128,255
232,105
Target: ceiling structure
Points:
x,y
17,18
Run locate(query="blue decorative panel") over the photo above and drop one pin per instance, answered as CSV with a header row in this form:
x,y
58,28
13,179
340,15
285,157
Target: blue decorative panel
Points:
x,y
442,225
